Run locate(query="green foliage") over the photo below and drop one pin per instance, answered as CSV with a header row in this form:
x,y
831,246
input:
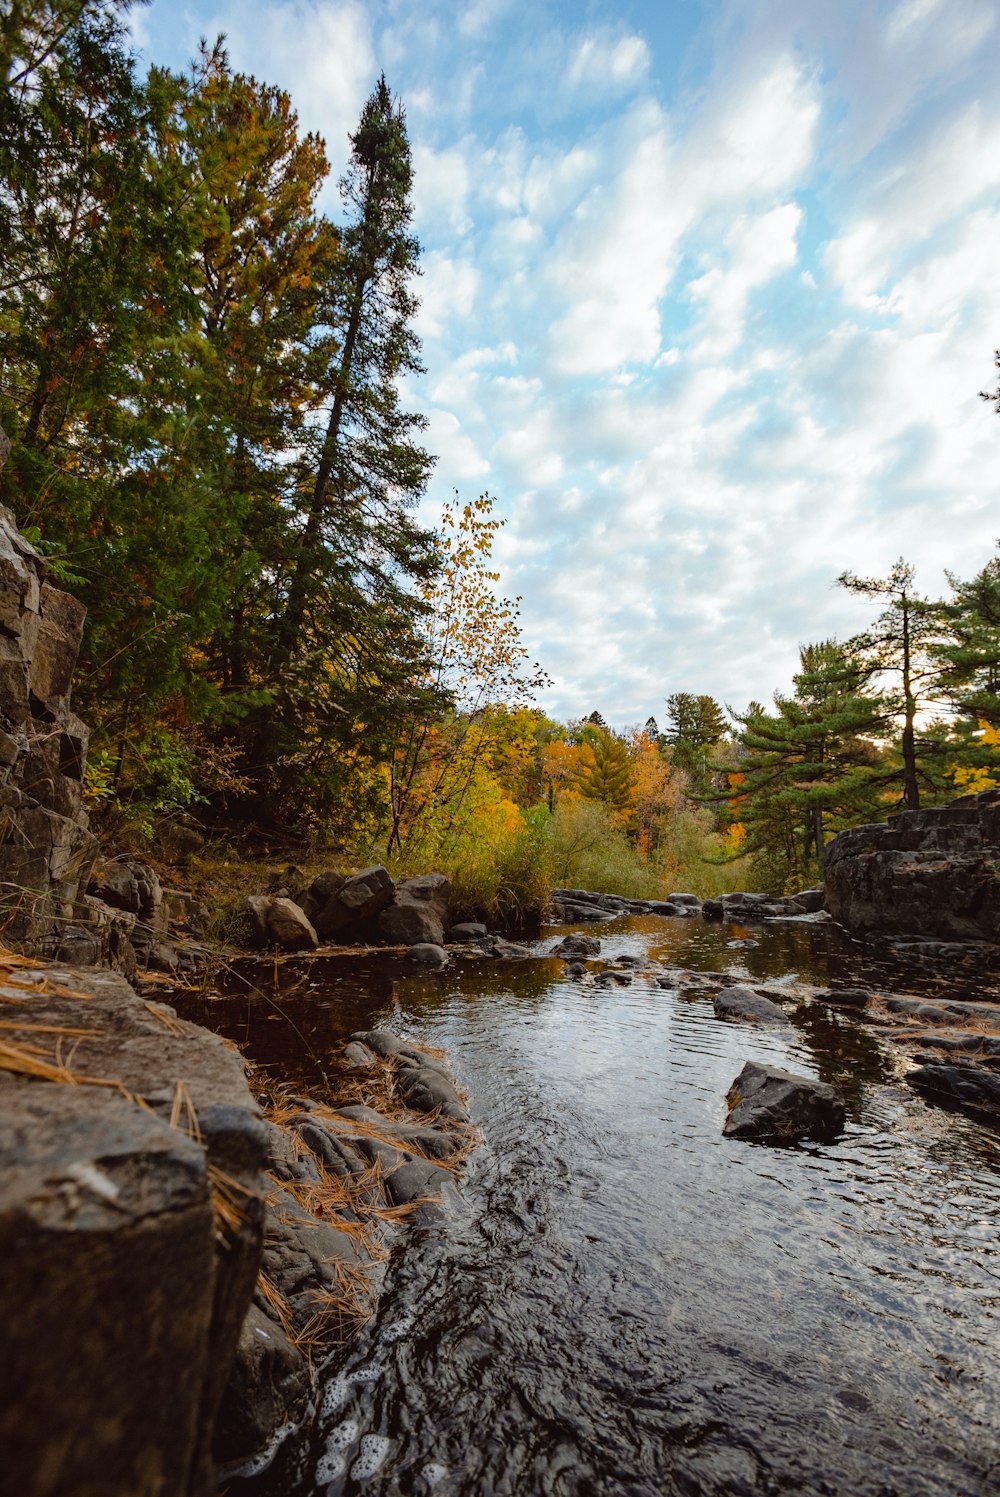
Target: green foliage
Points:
x,y
605,772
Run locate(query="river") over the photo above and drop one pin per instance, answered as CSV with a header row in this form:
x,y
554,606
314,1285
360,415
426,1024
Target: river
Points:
x,y
630,1303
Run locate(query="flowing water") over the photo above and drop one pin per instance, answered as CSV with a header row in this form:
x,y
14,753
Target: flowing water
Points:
x,y
632,1303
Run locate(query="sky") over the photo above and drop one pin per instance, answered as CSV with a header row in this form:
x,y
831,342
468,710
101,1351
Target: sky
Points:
x,y
709,291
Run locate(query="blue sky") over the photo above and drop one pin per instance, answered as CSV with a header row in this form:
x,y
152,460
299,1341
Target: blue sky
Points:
x,y
709,290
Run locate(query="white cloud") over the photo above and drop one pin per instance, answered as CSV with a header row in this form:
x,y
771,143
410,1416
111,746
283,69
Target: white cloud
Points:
x,y
607,62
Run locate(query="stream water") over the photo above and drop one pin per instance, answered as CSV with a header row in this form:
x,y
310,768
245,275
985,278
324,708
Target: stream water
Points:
x,y
632,1304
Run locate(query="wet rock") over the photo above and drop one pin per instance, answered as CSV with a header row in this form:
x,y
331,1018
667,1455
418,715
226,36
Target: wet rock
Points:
x,y
507,950
744,1003
576,970
271,1385
358,1055
811,900
712,909
844,997
768,1105
691,900
289,927
467,930
966,1088
427,1090
428,954
577,946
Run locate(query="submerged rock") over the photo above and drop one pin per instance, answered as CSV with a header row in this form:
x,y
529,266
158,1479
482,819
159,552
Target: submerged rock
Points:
x,y
771,1106
844,997
577,946
744,1003
964,1087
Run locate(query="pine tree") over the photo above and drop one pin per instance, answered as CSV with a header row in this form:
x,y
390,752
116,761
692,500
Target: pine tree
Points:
x,y
902,642
369,468
810,766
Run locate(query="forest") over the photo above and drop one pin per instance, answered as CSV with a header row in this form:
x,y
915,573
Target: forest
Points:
x,y
201,376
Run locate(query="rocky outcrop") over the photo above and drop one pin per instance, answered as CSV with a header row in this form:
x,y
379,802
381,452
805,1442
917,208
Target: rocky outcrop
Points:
x,y
46,848
131,1222
933,873
771,1106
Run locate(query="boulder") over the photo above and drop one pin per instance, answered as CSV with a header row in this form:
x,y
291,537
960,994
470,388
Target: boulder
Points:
x,y
467,930
418,913
771,1106
428,954
355,903
288,927
844,997
255,907
577,946
744,1003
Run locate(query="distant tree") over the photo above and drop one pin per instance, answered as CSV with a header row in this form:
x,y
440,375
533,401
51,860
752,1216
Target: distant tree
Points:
x,y
597,721
968,654
692,720
605,772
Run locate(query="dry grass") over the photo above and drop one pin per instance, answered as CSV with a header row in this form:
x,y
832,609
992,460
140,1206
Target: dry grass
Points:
x,y
170,1022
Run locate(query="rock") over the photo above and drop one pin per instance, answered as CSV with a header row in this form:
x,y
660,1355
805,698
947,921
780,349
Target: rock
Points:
x,y
270,1386
577,946
507,950
418,910
356,903
712,909
288,926
744,1003
128,885
255,908
358,1055
933,874
845,997
162,958
175,840
77,946
428,954
963,1087
467,930
322,889
811,900
418,913
108,1236
772,1106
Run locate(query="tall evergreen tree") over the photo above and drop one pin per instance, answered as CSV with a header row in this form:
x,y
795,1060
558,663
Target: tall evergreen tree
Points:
x,y
901,643
369,467
811,766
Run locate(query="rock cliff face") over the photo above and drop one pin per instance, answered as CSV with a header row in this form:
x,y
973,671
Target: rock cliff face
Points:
x,y
46,848
933,873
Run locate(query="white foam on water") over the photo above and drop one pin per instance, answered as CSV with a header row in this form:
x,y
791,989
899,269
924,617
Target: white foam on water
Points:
x,y
334,1395
433,1473
369,1374
342,1435
371,1456
330,1465
399,1328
